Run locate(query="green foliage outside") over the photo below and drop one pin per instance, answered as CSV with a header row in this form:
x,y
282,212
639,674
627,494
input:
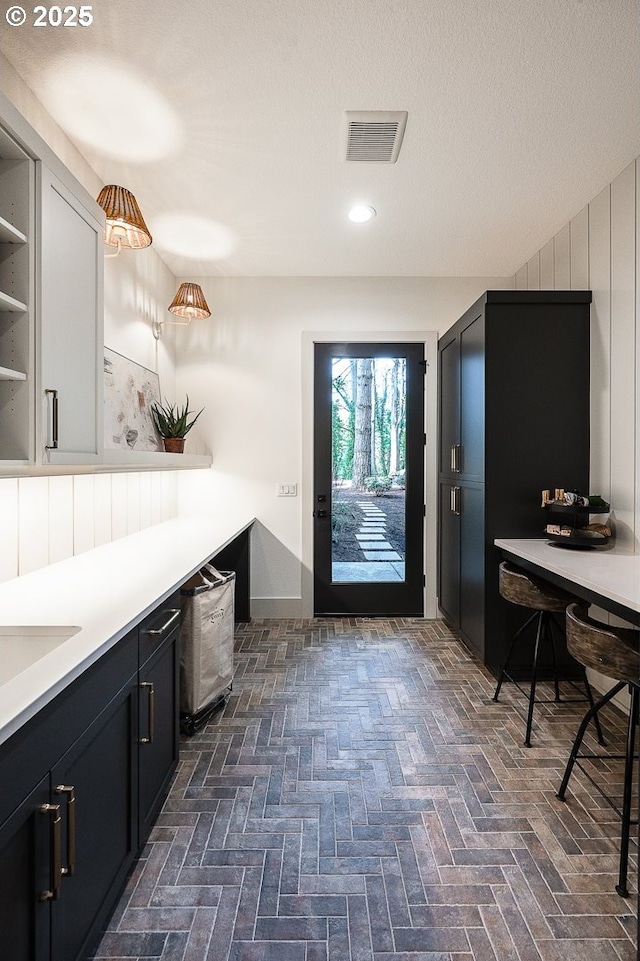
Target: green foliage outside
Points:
x,y
388,433
377,485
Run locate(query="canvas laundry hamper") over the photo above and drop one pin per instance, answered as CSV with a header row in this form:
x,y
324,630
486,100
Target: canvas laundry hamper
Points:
x,y
206,645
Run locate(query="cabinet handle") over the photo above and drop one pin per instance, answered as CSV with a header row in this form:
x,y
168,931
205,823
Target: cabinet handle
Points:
x,y
453,458
55,410
458,458
69,790
152,712
53,810
454,502
165,627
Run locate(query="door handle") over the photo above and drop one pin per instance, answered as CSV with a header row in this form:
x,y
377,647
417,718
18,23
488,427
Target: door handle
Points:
x,y
455,458
454,503
53,810
175,613
55,423
69,790
152,712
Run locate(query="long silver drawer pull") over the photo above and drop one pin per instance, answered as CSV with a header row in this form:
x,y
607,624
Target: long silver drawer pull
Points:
x,y
152,712
53,810
175,614
55,409
69,790
453,457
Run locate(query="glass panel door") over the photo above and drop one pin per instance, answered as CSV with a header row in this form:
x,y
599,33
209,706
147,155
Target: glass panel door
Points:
x,y
369,470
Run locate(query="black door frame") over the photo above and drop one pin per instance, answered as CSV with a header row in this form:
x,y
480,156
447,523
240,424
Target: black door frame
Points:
x,y
363,598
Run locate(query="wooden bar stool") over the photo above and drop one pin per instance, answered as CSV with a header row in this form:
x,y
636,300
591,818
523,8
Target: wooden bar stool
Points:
x,y
543,599
612,651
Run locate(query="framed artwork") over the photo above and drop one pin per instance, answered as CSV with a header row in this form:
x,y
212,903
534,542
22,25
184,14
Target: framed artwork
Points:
x,y
129,392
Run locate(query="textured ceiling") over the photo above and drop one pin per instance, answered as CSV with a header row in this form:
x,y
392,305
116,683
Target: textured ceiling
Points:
x,y
225,118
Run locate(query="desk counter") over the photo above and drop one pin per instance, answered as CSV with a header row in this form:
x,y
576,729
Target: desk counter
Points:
x,y
607,577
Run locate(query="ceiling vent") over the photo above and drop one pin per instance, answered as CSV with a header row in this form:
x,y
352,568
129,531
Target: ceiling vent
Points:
x,y
374,136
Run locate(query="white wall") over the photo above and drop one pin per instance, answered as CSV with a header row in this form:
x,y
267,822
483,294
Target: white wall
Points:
x,y
47,519
599,250
244,365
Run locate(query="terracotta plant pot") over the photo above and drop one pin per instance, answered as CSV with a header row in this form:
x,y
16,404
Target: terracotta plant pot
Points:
x,y
174,445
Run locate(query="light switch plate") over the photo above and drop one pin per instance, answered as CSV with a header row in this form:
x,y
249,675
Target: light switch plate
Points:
x,y
286,490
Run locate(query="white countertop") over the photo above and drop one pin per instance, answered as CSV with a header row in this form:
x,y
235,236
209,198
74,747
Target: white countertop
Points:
x,y
612,573
103,592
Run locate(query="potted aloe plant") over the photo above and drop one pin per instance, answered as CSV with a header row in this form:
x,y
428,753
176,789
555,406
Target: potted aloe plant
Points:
x,y
173,424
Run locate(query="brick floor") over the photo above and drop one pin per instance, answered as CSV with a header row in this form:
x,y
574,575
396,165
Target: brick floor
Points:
x,y
362,798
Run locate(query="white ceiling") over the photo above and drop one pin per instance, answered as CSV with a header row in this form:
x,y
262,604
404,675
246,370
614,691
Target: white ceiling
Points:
x,y
231,112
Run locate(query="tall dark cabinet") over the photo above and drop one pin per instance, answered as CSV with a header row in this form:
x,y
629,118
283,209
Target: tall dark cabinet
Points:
x,y
513,420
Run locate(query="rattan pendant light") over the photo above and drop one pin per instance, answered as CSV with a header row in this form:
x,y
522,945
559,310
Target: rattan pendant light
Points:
x,y
189,302
125,226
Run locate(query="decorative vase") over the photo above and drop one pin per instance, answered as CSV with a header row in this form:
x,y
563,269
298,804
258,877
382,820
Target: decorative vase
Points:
x,y
174,445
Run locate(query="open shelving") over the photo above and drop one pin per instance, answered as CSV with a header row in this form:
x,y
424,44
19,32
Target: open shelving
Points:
x,y
16,285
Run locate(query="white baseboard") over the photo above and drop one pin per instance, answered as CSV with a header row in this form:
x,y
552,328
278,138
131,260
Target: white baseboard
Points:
x,y
271,608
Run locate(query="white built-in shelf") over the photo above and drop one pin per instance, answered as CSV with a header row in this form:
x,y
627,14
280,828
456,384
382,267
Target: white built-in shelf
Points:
x,y
7,374
10,234
10,303
154,460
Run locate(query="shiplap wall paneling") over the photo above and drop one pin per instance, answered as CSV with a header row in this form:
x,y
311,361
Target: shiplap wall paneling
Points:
x,y
521,278
547,272
9,528
60,509
157,485
533,272
133,503
84,538
599,261
623,351
169,494
102,511
118,506
579,250
33,523
145,499
562,259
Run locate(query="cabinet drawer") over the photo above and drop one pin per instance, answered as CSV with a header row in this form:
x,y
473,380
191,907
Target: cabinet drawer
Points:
x,y
36,747
157,626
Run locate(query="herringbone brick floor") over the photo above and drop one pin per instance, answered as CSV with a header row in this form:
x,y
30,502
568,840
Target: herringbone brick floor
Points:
x,y
361,798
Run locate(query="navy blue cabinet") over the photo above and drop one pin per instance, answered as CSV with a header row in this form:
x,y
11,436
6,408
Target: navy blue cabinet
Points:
x,y
82,783
513,420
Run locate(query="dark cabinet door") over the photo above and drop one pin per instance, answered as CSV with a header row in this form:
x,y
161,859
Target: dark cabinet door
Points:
x,y
95,782
26,877
472,565
472,407
449,406
449,550
158,729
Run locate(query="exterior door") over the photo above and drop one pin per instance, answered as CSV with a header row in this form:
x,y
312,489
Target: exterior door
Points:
x,y
369,478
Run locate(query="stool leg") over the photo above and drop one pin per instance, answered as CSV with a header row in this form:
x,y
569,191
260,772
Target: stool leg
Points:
x,y
549,626
621,886
579,736
510,652
596,717
534,678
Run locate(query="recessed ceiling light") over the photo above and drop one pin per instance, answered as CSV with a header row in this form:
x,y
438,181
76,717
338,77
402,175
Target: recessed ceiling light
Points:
x,y
361,213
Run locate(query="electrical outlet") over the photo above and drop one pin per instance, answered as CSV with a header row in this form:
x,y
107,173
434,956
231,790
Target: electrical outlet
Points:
x,y
286,490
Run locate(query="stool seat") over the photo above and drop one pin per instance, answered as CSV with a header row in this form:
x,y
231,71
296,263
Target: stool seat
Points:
x,y
532,592
544,600
613,651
